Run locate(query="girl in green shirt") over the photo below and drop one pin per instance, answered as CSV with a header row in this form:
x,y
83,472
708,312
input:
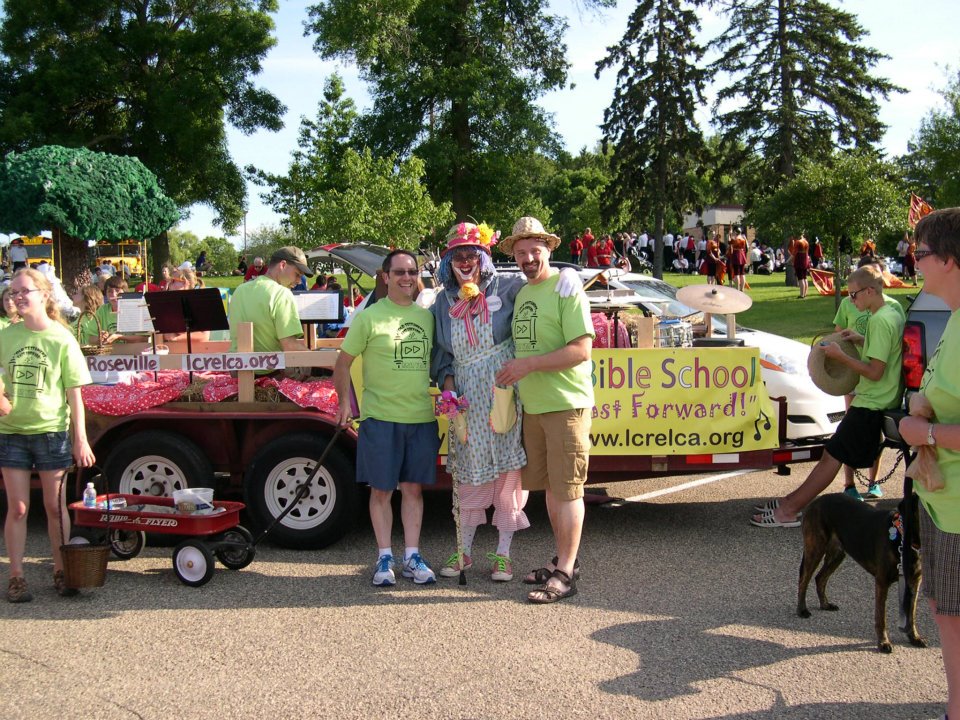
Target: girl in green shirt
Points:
x,y
37,413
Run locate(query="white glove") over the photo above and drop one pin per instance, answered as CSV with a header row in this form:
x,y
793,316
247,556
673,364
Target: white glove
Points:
x,y
568,283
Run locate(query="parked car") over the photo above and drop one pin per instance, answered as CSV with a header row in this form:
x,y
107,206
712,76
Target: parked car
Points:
x,y
927,318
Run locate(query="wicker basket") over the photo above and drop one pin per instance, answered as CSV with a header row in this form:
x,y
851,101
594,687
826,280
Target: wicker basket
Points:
x,y
84,566
99,348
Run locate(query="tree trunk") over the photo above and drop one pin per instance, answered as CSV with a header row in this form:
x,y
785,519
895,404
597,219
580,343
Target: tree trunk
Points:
x,y
158,256
70,258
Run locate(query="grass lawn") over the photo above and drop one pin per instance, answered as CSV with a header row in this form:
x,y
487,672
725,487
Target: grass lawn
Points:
x,y
777,309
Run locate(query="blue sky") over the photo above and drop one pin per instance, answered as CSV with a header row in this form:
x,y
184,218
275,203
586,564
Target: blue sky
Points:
x,y
920,54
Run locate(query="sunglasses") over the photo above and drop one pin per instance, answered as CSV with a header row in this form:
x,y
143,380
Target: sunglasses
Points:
x,y
401,273
921,254
853,293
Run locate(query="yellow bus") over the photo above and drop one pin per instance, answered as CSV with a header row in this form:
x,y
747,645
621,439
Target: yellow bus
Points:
x,y
126,252
39,248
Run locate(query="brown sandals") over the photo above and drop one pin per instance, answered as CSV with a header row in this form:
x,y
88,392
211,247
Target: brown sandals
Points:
x,y
541,575
550,594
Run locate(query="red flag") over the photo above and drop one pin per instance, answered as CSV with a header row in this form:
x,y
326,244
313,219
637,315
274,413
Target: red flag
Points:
x,y
918,208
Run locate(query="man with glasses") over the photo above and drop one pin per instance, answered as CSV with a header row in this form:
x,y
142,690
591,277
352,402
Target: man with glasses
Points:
x,y
398,440
858,439
266,301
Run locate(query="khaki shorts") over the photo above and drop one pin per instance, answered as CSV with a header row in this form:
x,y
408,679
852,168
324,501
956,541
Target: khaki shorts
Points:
x,y
558,452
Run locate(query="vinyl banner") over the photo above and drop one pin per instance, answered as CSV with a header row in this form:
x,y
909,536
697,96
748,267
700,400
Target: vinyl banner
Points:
x,y
680,401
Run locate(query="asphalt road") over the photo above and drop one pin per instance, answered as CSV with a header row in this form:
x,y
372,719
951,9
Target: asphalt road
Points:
x,y
684,611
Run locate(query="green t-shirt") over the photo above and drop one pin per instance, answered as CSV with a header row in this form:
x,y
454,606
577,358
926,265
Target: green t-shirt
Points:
x,y
543,322
88,329
38,367
107,318
271,309
883,341
395,342
941,385
849,318
4,322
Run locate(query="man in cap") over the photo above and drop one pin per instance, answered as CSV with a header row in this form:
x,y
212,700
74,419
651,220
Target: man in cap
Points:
x,y
267,302
553,339
398,440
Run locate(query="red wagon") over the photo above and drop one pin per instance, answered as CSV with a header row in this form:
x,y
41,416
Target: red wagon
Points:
x,y
217,535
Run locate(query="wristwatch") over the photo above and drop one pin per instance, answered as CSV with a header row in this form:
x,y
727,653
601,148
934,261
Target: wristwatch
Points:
x,y
931,440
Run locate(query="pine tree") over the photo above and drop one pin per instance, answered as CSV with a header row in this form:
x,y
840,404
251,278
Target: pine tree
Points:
x,y
801,85
650,122
455,81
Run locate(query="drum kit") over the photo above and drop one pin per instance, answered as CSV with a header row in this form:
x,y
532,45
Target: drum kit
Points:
x,y
716,300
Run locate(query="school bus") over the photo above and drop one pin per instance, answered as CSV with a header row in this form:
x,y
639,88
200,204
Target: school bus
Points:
x,y
39,248
124,252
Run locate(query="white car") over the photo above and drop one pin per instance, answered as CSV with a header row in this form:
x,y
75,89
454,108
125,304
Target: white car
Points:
x,y
811,413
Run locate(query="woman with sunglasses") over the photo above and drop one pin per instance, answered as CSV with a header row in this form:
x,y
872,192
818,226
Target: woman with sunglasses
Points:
x,y
42,425
938,257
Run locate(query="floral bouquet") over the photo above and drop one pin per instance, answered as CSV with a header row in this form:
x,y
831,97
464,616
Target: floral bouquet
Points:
x,y
455,408
468,291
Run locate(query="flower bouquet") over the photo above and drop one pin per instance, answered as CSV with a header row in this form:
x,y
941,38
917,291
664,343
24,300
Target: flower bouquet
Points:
x,y
455,408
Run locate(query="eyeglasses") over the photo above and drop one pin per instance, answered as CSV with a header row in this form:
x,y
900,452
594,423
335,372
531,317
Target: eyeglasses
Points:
x,y
853,293
401,273
22,293
921,254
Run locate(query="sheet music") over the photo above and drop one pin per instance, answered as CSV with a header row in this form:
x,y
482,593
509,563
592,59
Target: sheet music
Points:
x,y
133,316
319,306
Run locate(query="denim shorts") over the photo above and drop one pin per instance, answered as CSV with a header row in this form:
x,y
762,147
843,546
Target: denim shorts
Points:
x,y
44,451
389,453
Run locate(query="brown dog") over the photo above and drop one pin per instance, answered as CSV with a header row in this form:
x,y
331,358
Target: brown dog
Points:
x,y
837,525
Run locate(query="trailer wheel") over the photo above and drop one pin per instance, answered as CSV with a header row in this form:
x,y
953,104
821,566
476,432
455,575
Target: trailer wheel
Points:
x,y
324,515
155,463
242,552
193,563
126,544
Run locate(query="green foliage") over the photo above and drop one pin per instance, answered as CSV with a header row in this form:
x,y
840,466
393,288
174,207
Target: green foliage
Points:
x,y
801,86
454,82
221,253
154,80
383,202
317,165
83,193
650,122
932,163
852,195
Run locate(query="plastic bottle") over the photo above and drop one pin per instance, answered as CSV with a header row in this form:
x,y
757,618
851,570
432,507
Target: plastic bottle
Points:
x,y
90,496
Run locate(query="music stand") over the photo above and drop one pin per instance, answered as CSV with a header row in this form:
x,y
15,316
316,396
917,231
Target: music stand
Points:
x,y
176,311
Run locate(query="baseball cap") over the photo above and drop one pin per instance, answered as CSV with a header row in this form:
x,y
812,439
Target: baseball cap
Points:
x,y
294,256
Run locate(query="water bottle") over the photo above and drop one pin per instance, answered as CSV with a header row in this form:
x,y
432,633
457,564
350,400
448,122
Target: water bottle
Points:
x,y
90,496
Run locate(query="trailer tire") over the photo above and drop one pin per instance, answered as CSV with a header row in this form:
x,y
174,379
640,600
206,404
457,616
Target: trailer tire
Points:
x,y
271,481
155,463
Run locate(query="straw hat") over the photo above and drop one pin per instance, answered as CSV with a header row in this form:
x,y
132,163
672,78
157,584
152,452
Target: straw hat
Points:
x,y
529,227
829,375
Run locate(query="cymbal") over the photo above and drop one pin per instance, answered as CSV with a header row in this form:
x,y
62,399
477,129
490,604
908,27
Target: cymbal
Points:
x,y
715,299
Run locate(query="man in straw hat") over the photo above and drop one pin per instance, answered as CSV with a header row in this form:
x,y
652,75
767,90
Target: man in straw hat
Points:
x,y
553,339
858,438
398,440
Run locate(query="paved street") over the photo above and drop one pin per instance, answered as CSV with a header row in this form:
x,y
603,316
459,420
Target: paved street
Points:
x,y
684,611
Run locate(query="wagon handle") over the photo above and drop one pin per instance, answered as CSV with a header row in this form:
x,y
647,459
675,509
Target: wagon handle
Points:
x,y
303,489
